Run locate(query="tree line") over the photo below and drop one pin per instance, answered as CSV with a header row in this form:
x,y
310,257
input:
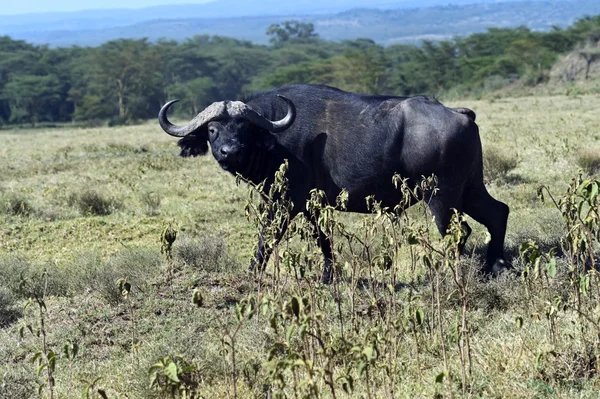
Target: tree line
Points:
x,y
126,80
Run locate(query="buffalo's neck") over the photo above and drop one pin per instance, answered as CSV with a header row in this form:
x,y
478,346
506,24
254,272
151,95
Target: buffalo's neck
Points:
x,y
260,165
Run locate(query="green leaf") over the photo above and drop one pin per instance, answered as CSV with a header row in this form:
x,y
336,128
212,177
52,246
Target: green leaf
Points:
x,y
197,298
153,380
238,313
361,368
412,240
289,333
41,368
519,321
391,289
296,307
347,383
419,317
593,191
273,323
51,360
74,350
302,331
440,377
540,194
36,356
427,261
369,352
551,268
171,372
155,367
187,369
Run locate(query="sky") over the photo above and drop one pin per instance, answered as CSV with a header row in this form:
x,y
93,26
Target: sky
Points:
x,y
11,7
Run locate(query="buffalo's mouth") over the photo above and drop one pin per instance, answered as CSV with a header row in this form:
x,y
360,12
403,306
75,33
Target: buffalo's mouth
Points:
x,y
229,163
225,165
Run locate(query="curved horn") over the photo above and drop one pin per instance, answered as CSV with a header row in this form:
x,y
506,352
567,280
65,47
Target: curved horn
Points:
x,y
245,111
215,110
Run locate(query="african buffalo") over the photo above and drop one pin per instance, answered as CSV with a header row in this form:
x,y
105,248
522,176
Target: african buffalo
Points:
x,y
336,140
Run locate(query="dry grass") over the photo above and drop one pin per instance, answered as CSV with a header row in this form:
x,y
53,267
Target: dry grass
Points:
x,y
86,252
589,160
497,164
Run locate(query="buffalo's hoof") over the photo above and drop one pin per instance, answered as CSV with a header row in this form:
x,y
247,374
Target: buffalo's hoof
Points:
x,y
255,267
496,268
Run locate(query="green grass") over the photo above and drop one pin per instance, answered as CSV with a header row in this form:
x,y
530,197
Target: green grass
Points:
x,y
89,205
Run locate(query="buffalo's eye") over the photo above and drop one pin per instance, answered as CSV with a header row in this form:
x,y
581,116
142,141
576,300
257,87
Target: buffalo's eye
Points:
x,y
212,133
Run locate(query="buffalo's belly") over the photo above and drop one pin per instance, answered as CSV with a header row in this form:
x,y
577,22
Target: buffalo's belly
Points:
x,y
378,186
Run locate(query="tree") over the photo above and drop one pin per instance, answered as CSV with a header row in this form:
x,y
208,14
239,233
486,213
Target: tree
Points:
x,y
590,54
281,33
31,96
194,94
124,72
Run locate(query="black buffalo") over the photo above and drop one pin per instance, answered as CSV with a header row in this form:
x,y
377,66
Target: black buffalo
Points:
x,y
336,140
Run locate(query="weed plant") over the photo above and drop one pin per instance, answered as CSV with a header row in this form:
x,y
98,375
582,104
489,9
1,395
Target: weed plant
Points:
x,y
406,316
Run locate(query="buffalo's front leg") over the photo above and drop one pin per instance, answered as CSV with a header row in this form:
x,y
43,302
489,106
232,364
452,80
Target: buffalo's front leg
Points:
x,y
263,252
325,246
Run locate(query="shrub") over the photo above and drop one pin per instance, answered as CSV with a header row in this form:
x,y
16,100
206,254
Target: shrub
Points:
x,y
534,77
19,276
92,203
120,148
208,254
497,164
495,82
93,273
9,311
18,383
17,205
116,121
589,160
151,201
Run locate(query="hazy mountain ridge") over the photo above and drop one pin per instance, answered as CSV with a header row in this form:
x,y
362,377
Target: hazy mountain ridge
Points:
x,y
386,26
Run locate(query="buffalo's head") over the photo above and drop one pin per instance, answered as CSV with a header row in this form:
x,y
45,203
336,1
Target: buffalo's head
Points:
x,y
228,126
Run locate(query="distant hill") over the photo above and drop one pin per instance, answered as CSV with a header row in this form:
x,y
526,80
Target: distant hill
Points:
x,y
386,22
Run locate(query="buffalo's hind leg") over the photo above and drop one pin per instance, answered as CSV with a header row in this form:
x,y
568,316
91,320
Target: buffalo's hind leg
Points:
x,y
325,244
493,214
442,206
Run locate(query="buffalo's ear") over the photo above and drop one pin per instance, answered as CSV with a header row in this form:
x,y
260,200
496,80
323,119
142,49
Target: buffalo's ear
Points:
x,y
266,140
193,145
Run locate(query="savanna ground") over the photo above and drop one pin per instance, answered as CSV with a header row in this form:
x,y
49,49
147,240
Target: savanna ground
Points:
x,y
84,211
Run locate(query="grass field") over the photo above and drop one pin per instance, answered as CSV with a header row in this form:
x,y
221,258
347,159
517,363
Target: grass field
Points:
x,y
84,208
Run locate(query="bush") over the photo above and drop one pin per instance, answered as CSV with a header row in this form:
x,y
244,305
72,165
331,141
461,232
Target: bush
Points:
x,y
94,274
497,164
92,203
589,160
26,280
9,310
16,205
208,254
120,148
151,200
116,121
534,77
495,82
18,383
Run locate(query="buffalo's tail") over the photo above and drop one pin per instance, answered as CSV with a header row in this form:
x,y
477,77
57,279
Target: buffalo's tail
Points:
x,y
465,111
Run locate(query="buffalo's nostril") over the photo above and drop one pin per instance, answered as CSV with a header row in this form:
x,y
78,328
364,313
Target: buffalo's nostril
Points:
x,y
225,150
